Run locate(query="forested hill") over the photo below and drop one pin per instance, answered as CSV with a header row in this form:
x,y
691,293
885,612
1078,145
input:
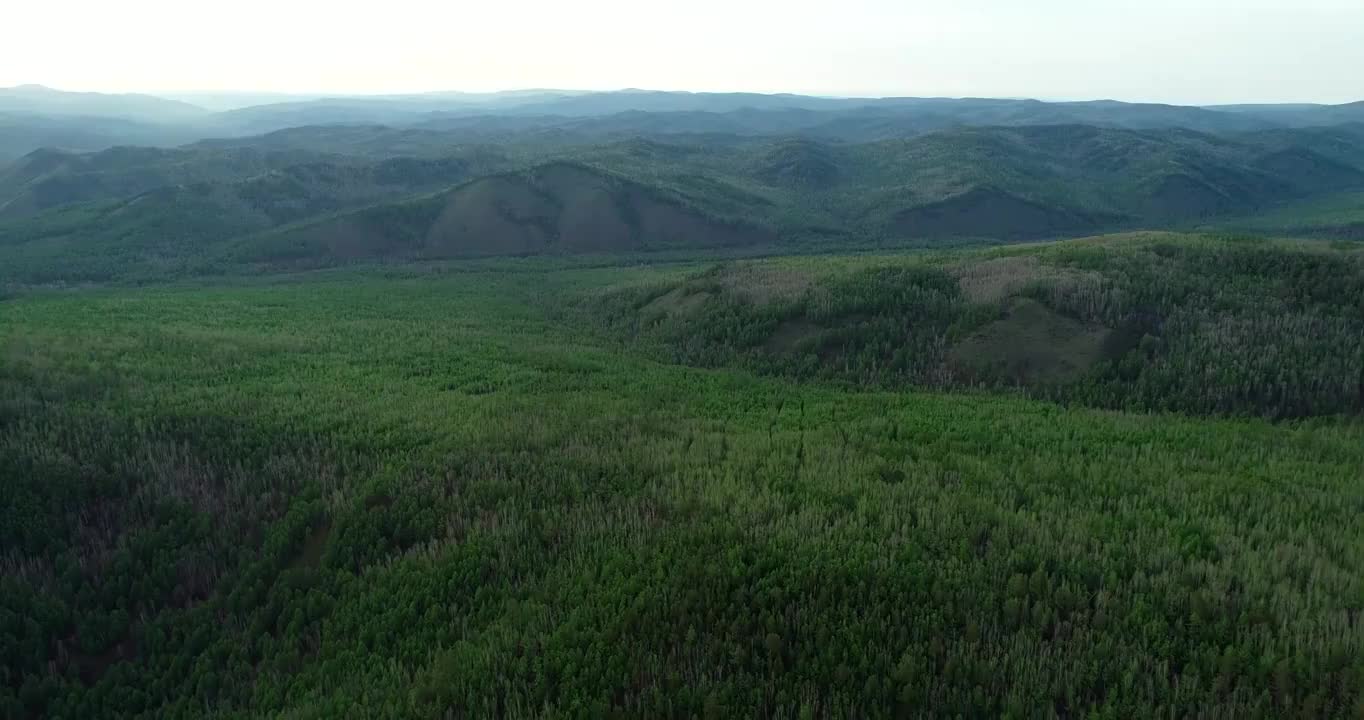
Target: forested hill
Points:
x,y
1143,322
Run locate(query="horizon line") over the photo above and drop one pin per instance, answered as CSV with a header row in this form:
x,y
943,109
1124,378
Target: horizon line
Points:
x,y
311,95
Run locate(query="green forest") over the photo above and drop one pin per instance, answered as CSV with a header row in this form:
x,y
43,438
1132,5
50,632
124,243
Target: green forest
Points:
x,y
1117,477
1142,321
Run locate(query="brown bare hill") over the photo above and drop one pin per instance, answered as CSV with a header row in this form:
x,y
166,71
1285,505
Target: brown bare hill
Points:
x,y
560,207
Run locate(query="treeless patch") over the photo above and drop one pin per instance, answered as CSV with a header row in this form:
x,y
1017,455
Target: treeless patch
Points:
x,y
995,279
764,284
1031,344
675,303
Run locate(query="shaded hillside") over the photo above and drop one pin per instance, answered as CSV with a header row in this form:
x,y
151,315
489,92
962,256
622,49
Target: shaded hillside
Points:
x,y
21,134
50,178
1004,183
553,208
366,141
178,228
1338,217
1300,115
799,164
1084,176
986,212
1144,321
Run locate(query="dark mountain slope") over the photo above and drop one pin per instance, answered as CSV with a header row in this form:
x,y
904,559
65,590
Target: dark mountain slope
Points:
x,y
51,178
1309,171
987,212
799,164
178,227
22,133
1154,177
1300,115
553,208
366,141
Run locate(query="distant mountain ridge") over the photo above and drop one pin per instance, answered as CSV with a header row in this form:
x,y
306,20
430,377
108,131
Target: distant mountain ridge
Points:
x,y
41,100
99,120
443,175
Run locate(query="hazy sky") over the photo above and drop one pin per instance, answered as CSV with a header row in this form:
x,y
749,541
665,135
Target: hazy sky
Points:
x,y
1182,51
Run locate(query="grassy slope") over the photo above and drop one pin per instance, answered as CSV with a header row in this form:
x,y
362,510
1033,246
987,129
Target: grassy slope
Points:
x,y
396,494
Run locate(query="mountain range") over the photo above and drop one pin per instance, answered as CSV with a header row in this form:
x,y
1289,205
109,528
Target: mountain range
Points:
x,y
101,186
93,121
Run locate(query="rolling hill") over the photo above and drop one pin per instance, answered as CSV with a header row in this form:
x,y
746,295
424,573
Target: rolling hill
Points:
x,y
555,208
1307,115
23,133
185,227
987,184
51,178
1146,321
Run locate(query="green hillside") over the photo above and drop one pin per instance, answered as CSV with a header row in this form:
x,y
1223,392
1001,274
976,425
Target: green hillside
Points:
x,y
1336,216
23,133
1152,322
458,489
179,229
553,208
46,179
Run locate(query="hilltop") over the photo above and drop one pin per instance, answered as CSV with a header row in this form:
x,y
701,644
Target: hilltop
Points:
x,y
1146,321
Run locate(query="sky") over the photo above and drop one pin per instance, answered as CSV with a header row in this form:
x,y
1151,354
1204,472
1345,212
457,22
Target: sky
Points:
x,y
1176,51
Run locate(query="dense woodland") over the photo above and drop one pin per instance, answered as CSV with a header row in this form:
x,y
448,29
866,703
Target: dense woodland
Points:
x,y
453,490
1147,322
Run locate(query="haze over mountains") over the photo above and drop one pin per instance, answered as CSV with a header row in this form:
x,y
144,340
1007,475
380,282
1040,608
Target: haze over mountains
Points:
x,y
95,186
104,120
